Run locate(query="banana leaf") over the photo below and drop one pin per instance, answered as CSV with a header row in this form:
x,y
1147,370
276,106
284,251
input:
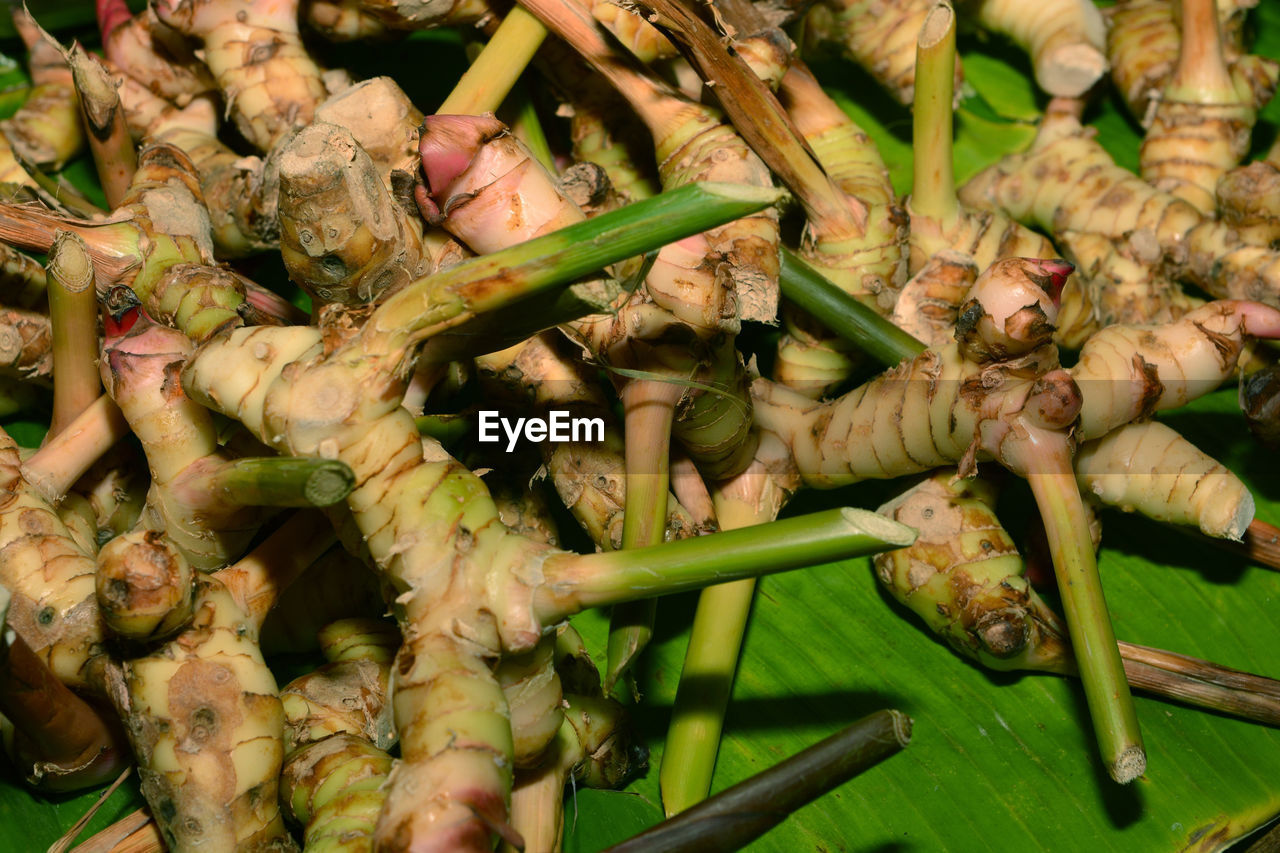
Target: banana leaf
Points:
x,y
1002,762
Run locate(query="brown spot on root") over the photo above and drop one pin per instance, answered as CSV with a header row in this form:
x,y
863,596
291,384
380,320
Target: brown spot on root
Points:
x,y
1228,347
1151,387
35,522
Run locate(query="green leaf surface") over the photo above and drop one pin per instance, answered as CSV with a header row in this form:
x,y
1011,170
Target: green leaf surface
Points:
x,y
999,762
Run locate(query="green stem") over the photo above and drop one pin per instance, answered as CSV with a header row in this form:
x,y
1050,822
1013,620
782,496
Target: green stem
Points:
x,y
280,481
933,183
1115,721
448,298
845,315
528,128
648,410
73,313
736,816
706,682
573,583
446,429
484,85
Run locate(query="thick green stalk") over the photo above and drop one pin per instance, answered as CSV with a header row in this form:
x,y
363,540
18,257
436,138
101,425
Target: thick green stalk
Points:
x,y
446,429
528,129
73,312
483,87
449,298
706,682
1115,721
574,582
845,315
280,481
734,817
648,410
933,187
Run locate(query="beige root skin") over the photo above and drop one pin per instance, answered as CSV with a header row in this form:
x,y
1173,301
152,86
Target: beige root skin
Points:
x,y
869,262
960,401
1202,124
928,392
140,371
334,788
594,747
46,129
344,696
206,725
1143,42
1126,373
1064,37
1249,201
677,326
879,36
930,300
21,278
384,122
342,20
1121,287
73,451
963,576
342,236
145,587
637,35
26,345
240,191
1142,47
154,54
1080,189
845,151
51,579
691,143
534,697
1148,468
269,81
456,743
1084,191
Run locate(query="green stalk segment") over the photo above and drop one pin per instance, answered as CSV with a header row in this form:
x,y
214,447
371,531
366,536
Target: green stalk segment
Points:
x,y
574,583
736,816
933,188
484,86
448,298
1115,721
703,695
845,315
284,481
446,429
648,410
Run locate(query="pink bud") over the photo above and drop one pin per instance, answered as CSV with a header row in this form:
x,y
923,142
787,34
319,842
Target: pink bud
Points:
x,y
449,144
